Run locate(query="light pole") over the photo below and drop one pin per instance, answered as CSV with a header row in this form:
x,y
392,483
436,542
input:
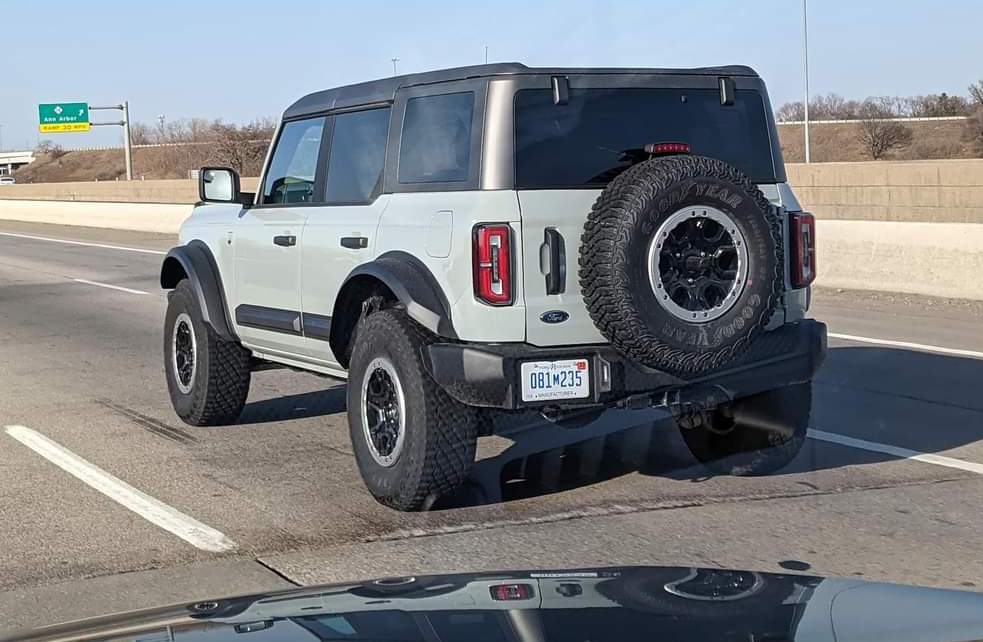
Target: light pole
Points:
x,y
395,60
805,56
486,54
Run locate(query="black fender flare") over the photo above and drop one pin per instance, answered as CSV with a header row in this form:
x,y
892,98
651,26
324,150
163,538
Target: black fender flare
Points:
x,y
195,260
413,285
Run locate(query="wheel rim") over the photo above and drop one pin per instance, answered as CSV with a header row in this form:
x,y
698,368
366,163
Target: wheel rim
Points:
x,y
698,264
184,351
383,412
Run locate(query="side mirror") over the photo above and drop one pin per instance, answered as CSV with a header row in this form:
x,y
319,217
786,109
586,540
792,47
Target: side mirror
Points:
x,y
218,185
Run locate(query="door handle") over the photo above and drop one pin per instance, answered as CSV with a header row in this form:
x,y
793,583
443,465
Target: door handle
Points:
x,y
555,261
354,242
285,241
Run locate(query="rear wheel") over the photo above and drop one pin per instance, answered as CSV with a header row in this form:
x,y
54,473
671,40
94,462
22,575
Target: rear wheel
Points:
x,y
412,441
755,435
207,378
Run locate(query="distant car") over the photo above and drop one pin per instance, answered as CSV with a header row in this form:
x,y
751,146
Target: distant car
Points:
x,y
7,180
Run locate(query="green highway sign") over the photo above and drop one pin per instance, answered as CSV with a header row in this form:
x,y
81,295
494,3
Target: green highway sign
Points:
x,y
63,117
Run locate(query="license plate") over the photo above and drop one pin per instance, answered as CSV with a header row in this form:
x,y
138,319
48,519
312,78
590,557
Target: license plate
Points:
x,y
553,380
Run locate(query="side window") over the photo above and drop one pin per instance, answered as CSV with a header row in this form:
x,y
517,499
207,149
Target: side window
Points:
x,y
290,177
436,141
358,153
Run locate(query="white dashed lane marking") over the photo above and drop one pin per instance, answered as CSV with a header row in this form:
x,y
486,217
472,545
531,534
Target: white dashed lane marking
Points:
x,y
153,510
83,243
111,287
958,352
895,451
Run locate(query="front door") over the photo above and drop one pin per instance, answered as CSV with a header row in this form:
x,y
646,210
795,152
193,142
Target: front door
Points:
x,y
267,242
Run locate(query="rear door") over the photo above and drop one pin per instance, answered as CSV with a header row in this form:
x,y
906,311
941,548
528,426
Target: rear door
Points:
x,y
567,151
267,241
340,234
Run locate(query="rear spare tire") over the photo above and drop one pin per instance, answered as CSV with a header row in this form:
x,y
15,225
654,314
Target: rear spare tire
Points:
x,y
681,263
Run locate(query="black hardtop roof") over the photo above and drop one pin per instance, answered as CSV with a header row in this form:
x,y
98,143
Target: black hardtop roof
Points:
x,y
384,89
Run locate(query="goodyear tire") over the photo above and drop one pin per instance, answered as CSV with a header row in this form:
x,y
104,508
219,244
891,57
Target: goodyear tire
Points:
x,y
756,435
412,442
207,378
681,263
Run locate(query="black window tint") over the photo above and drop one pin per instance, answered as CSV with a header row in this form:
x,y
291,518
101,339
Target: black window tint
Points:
x,y
583,143
290,177
358,153
436,143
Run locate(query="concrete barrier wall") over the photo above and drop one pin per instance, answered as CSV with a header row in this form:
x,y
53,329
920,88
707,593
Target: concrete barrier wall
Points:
x,y
945,191
162,218
936,259
164,191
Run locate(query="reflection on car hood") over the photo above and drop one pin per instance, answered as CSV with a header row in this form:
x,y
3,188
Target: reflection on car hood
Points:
x,y
622,604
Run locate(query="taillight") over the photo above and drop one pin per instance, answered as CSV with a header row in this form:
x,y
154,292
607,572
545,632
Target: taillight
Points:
x,y
803,242
493,264
657,149
507,592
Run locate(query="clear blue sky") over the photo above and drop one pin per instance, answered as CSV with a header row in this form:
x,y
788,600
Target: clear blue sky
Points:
x,y
241,60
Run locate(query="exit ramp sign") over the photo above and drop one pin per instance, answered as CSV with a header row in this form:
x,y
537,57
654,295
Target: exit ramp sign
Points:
x,y
63,117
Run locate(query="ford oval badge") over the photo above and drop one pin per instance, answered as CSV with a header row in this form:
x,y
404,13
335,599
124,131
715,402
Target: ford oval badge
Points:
x,y
554,316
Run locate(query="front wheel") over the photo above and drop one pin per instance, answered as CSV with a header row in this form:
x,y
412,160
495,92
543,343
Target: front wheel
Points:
x,y
207,378
755,435
412,441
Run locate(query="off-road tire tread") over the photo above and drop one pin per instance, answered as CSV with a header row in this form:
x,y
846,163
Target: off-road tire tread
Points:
x,y
451,427
219,396
604,281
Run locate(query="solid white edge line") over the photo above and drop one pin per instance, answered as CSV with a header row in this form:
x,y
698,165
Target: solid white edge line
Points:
x,y
111,287
154,511
905,344
895,451
83,243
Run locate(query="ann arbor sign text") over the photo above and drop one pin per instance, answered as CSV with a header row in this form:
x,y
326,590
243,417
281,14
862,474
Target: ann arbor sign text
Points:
x,y
63,117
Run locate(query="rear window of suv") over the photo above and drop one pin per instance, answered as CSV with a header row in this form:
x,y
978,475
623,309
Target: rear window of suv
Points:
x,y
583,143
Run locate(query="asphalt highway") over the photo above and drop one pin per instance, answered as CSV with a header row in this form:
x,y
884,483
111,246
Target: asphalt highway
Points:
x,y
93,461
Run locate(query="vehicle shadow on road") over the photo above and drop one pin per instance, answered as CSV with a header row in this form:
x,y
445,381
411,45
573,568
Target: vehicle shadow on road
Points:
x,y
915,400
317,403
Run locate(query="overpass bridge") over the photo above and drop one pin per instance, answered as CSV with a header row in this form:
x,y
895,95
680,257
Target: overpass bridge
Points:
x,y
12,161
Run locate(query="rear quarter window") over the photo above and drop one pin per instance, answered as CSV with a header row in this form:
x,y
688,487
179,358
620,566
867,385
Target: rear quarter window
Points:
x,y
436,143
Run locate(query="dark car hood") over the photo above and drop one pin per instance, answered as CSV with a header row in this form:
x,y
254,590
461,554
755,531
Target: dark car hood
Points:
x,y
622,604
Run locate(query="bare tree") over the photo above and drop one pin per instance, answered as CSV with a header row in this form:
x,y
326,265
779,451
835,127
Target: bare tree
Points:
x,y
878,133
976,93
791,112
242,147
973,131
141,134
937,105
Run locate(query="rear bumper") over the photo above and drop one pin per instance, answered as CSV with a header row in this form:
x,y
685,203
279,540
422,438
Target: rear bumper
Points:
x,y
487,375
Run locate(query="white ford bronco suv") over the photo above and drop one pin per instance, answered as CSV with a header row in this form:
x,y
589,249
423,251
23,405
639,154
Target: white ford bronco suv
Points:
x,y
468,243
